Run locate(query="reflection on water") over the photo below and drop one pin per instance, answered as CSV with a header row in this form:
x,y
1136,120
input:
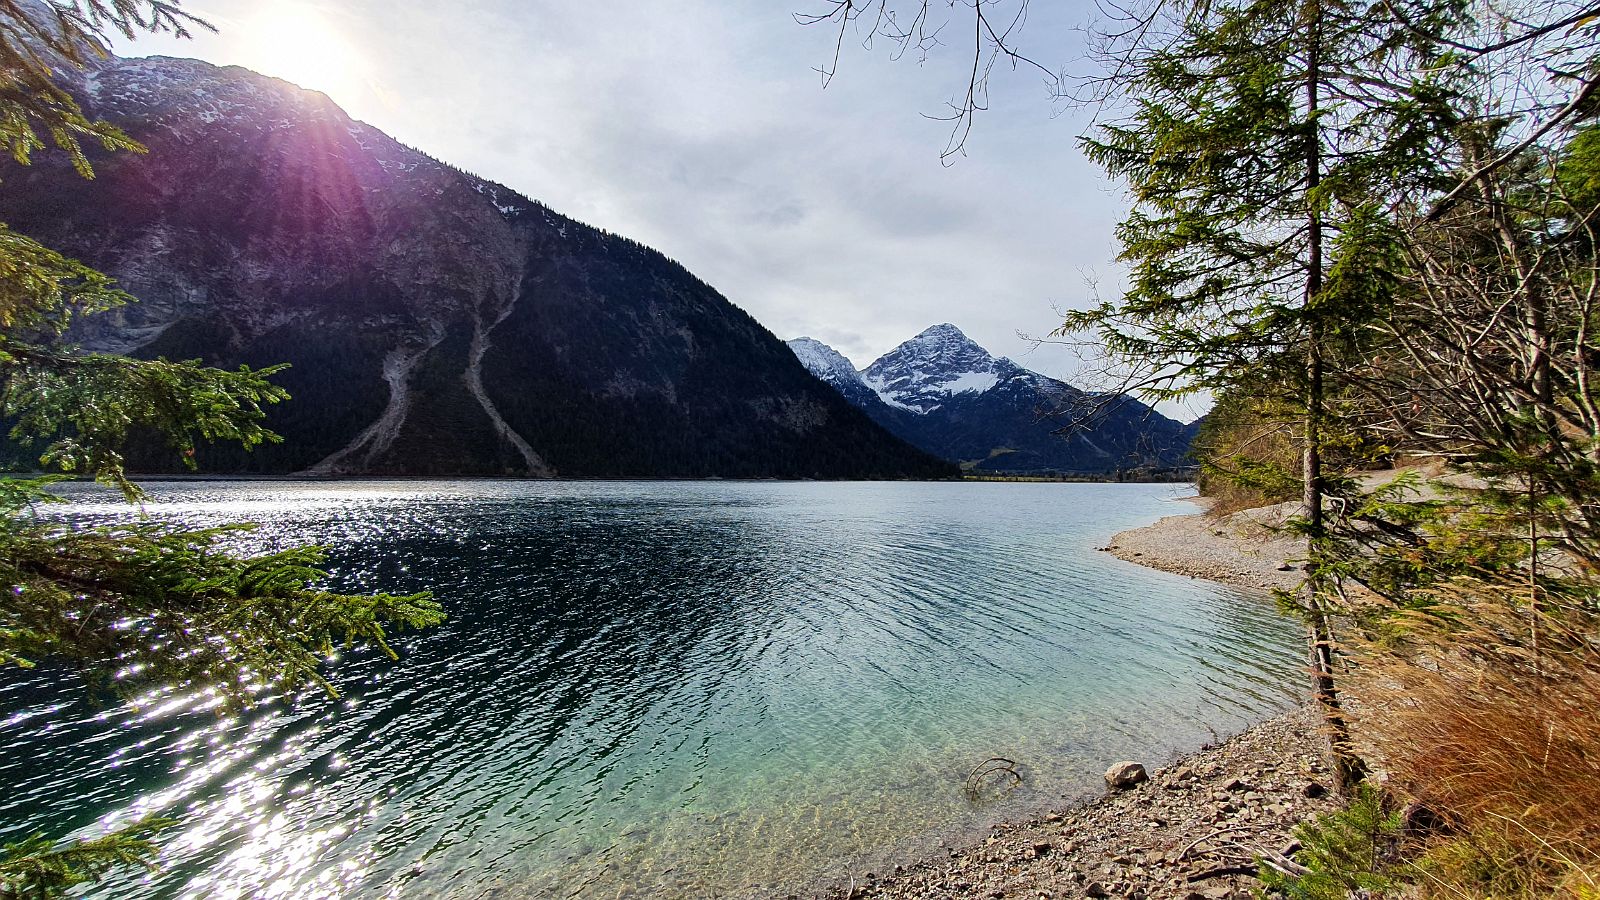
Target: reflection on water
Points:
x,y
667,689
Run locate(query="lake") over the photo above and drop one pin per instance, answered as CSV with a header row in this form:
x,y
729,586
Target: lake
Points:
x,y
673,689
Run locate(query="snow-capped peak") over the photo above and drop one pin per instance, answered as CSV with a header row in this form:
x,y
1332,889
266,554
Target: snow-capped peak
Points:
x,y
925,372
824,362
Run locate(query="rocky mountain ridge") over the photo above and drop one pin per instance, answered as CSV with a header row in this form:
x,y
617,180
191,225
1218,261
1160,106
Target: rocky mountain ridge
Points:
x,y
435,322
944,393
830,366
921,374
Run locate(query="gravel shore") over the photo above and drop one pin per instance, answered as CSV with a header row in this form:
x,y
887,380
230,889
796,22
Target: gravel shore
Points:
x,y
1191,832
1251,548
1247,549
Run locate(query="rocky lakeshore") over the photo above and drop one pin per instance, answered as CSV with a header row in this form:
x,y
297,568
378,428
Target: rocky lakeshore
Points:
x,y
1190,832
1251,548
1248,549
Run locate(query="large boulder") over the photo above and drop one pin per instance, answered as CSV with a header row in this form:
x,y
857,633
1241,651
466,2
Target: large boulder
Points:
x,y
1124,775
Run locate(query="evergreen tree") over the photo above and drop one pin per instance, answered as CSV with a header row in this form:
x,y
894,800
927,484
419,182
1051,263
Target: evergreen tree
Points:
x,y
1263,144
138,605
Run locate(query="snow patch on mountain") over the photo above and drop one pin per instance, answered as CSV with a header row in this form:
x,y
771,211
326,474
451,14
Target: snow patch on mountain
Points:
x,y
889,396
923,373
971,383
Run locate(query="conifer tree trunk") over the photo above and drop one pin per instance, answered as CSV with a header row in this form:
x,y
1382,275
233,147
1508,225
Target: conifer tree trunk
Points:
x,y
1242,172
1348,770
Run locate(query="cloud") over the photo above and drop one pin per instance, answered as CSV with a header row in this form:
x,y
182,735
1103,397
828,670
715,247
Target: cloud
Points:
x,y
702,128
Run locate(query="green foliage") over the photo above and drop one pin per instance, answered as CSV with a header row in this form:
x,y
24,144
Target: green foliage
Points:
x,y
1236,169
1579,169
37,41
1249,451
1506,863
148,604
1414,552
42,292
86,405
1383,220
1483,361
1349,850
1266,147
1269,479
39,868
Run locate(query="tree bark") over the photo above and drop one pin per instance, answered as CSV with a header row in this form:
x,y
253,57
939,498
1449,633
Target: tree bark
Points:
x,y
1348,769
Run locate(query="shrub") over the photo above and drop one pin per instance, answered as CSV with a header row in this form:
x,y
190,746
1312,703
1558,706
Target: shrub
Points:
x,y
1248,453
1345,851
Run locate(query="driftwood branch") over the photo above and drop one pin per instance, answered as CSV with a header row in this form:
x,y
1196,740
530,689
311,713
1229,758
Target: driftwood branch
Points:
x,y
1222,872
993,767
1213,836
1283,864
1242,859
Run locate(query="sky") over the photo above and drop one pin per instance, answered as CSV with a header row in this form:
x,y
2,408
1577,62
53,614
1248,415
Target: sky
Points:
x,y
702,128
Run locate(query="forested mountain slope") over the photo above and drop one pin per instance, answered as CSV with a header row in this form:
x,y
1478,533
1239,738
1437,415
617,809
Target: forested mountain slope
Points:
x,y
436,323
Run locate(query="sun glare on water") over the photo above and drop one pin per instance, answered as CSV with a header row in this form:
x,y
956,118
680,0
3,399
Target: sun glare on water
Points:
x,y
298,43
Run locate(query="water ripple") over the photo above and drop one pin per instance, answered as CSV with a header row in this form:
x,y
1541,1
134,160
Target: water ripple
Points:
x,y
661,688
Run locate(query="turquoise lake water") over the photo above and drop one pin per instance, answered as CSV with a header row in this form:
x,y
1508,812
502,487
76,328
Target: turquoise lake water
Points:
x,y
657,689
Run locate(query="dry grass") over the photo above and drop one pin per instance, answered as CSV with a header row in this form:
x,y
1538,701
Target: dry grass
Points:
x,y
1228,497
1501,741
1247,462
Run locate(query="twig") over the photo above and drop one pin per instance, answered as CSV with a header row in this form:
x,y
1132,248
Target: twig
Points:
x,y
994,765
1283,864
1215,834
1225,870
1573,105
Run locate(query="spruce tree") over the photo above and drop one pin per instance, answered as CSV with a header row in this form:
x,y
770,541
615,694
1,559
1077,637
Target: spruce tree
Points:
x,y
1263,144
130,606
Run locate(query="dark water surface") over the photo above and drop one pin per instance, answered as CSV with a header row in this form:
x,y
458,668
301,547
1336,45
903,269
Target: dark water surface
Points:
x,y
656,689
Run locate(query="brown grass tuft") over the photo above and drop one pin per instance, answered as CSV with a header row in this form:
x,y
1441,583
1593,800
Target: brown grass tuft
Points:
x,y
1503,742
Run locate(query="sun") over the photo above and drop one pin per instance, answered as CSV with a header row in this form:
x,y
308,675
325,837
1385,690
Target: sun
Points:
x,y
298,43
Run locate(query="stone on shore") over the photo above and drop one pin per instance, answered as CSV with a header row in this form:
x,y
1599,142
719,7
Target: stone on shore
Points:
x,y
1125,775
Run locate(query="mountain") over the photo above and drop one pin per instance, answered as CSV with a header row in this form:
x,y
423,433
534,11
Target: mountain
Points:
x,y
830,365
944,393
923,374
436,322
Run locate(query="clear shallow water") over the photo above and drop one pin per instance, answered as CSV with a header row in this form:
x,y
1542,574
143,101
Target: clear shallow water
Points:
x,y
657,689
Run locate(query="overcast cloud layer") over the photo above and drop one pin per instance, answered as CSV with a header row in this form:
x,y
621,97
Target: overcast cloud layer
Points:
x,y
701,128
